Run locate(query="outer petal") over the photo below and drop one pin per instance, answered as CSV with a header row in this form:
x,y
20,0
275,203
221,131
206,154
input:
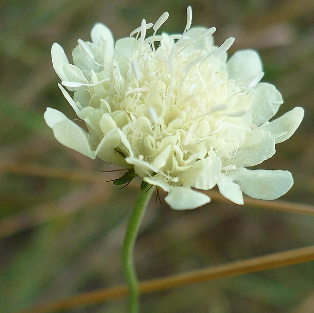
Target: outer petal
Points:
x,y
105,150
53,117
73,104
180,198
124,48
161,159
68,133
266,103
256,153
158,180
204,174
194,33
102,32
284,127
74,74
142,168
59,60
244,65
230,190
261,184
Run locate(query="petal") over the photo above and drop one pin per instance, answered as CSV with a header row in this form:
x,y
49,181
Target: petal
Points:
x,y
244,65
194,33
266,103
105,150
102,32
256,153
124,48
284,127
53,117
142,168
59,60
126,143
68,133
161,159
84,61
74,74
180,198
159,181
70,100
204,174
262,184
230,190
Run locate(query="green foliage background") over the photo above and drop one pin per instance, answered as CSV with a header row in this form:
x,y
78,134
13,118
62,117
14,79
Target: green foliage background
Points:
x,y
66,235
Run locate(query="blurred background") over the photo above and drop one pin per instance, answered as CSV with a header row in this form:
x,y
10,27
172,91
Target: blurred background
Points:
x,y
62,224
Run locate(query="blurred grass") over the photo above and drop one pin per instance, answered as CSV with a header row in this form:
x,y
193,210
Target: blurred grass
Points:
x,y
78,249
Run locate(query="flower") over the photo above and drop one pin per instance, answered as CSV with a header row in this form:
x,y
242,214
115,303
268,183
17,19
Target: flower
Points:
x,y
173,110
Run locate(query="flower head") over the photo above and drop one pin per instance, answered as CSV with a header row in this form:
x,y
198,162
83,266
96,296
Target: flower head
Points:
x,y
175,111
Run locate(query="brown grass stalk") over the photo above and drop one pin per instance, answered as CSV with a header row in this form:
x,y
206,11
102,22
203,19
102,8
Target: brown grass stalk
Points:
x,y
257,264
86,176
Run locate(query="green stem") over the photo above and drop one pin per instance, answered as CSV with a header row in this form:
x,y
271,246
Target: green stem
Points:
x,y
128,246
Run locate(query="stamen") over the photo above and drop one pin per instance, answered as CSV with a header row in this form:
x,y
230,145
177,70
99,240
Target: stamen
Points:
x,y
134,90
225,46
137,30
247,89
176,36
171,58
218,107
153,38
163,18
189,19
192,88
207,43
207,33
84,46
143,30
236,114
136,69
256,80
190,134
77,84
191,64
153,115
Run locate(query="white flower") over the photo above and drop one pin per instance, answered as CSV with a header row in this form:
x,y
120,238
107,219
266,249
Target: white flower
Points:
x,y
173,108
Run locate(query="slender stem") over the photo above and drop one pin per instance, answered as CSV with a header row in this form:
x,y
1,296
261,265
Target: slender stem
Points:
x,y
128,246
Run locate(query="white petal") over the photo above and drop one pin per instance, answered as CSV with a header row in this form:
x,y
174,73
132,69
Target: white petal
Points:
x,y
102,32
124,48
284,127
126,144
70,100
230,190
256,153
105,150
74,74
244,65
161,159
142,168
68,133
194,33
53,117
204,174
159,181
262,184
59,60
266,103
181,198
